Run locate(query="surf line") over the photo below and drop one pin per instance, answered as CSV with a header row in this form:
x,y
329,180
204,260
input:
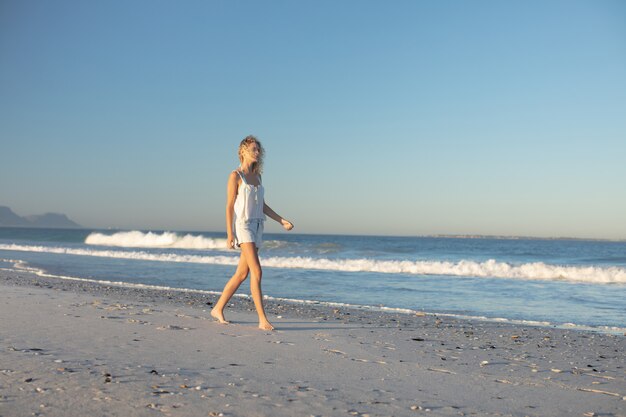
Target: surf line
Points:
x,y
464,268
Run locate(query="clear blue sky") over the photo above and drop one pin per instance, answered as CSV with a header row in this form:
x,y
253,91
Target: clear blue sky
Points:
x,y
393,118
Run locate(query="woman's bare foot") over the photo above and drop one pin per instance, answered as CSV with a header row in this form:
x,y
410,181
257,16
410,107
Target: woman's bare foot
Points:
x,y
266,325
219,316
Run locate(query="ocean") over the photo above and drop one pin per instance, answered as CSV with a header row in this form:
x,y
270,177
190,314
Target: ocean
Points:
x,y
545,282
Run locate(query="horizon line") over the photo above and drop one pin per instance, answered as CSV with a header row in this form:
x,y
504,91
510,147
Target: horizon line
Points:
x,y
435,235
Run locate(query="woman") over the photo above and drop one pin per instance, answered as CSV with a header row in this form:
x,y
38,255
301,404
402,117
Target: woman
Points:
x,y
246,210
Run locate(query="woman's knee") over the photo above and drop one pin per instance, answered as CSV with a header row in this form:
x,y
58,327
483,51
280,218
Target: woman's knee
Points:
x,y
241,275
256,273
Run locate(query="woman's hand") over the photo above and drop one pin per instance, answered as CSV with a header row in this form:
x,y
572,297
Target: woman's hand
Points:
x,y
230,242
286,224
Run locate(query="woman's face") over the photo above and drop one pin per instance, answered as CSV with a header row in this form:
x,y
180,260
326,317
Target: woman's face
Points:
x,y
252,151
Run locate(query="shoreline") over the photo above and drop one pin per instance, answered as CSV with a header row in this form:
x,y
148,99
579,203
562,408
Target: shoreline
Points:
x,y
81,348
286,303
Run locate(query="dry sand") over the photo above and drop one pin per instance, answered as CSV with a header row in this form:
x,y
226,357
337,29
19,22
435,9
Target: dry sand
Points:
x,y
82,349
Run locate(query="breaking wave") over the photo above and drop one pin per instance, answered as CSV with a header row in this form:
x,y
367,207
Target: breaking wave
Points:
x,y
463,268
137,239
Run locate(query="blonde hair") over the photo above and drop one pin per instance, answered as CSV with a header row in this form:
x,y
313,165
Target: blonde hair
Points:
x,y
257,167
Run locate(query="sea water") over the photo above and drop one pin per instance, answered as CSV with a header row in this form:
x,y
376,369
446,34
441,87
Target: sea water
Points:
x,y
550,282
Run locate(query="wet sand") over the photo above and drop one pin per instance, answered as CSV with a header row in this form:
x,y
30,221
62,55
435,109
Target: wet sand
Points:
x,y
77,348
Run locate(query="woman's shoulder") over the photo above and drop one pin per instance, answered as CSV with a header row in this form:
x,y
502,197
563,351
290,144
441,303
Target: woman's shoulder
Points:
x,y
235,175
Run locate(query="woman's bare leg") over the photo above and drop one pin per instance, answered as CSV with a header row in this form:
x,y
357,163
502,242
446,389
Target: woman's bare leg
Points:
x,y
252,257
231,287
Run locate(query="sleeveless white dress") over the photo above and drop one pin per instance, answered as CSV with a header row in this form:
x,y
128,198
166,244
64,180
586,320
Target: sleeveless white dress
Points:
x,y
249,216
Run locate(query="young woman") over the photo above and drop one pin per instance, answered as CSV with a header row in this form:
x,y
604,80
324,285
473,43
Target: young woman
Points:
x,y
246,210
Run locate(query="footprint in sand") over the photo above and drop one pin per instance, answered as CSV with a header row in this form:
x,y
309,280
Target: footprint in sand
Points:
x,y
172,327
280,342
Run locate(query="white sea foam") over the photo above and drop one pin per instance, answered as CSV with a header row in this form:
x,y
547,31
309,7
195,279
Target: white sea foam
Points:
x,y
137,239
464,268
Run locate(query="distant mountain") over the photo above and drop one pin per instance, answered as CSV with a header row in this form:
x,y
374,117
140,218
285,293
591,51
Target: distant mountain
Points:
x,y
8,218
52,220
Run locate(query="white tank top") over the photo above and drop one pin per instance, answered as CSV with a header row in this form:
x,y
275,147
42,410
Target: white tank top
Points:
x,y
249,201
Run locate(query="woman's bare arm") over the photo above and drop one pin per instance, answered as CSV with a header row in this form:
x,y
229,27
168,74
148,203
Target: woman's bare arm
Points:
x,y
231,195
273,215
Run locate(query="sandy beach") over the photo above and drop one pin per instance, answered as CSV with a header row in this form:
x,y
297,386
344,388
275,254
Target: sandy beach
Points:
x,y
83,349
